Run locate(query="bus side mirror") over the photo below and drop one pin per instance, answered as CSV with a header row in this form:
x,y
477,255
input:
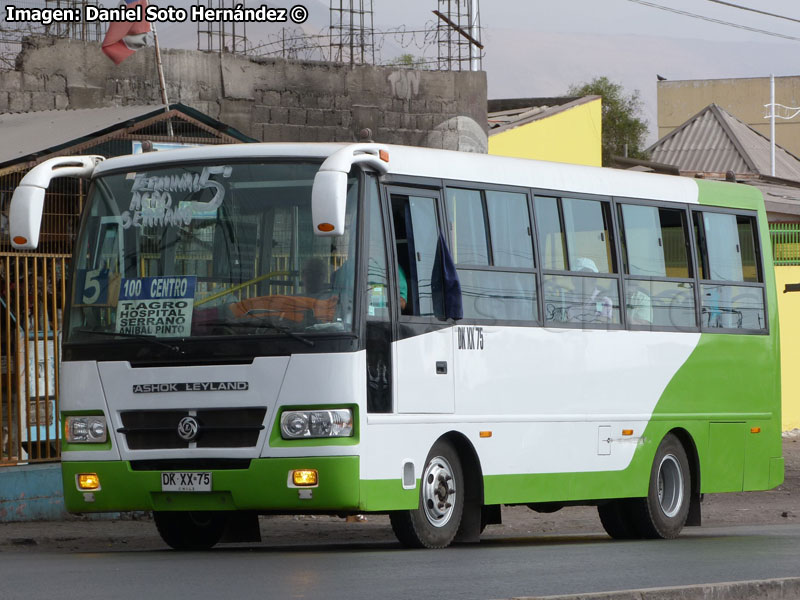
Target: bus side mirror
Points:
x,y
25,216
27,203
328,202
329,193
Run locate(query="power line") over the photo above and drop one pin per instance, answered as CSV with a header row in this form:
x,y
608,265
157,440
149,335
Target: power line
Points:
x,y
713,20
755,10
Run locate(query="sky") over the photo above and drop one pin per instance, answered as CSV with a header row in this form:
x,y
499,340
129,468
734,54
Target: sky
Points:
x,y
537,48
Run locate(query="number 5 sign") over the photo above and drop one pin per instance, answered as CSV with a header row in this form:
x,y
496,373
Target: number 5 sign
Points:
x,y
96,287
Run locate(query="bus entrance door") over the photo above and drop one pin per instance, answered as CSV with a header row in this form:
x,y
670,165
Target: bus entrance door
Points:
x,y
423,359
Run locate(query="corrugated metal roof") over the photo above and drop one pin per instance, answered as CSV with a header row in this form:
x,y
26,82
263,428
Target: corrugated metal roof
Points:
x,y
27,133
714,141
504,117
781,201
503,120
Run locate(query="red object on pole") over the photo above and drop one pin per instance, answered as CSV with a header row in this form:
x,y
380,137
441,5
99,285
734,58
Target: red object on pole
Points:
x,y
123,38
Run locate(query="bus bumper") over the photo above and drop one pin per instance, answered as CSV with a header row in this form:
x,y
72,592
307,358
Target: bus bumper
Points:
x,y
264,486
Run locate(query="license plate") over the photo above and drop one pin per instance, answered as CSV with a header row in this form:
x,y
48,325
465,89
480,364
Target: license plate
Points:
x,y
185,482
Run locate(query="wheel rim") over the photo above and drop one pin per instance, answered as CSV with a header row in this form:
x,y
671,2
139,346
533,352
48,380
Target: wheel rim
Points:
x,y
670,485
438,491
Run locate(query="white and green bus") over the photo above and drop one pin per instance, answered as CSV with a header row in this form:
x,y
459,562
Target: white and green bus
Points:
x,y
344,329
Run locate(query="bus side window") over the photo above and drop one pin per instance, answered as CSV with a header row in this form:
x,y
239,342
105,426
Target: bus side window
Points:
x,y
417,235
654,244
576,241
731,293
493,253
377,300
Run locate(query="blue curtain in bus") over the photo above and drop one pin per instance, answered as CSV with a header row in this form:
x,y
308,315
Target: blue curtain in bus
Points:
x,y
446,284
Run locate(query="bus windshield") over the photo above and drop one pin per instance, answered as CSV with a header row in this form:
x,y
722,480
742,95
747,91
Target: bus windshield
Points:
x,y
209,250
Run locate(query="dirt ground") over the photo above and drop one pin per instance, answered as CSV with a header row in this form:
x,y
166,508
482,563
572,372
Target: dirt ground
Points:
x,y
137,532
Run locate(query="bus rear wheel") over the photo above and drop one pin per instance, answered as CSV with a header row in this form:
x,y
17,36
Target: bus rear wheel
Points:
x,y
663,513
190,530
434,523
618,519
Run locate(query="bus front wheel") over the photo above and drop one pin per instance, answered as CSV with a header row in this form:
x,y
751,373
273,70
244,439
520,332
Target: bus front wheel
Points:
x,y
190,530
434,523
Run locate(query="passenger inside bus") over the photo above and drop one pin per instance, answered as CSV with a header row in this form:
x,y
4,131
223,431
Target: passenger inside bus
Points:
x,y
600,301
313,279
402,286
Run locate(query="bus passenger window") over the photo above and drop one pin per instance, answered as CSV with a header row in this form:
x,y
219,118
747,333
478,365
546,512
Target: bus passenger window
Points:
x,y
576,244
731,292
551,235
587,226
493,252
377,300
659,291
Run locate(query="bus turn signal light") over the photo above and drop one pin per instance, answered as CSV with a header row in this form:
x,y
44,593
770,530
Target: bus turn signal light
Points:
x,y
88,481
305,477
755,430
627,432
20,241
486,434
325,227
383,155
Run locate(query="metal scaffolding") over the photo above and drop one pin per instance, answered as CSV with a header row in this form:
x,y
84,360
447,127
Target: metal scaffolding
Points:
x,y
458,35
222,36
352,33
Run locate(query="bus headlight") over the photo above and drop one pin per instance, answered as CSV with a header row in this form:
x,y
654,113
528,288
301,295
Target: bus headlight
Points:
x,y
90,429
298,424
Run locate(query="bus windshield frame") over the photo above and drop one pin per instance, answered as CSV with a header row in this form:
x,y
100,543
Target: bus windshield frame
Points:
x,y
182,254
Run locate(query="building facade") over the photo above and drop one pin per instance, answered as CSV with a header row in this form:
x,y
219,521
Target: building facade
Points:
x,y
743,98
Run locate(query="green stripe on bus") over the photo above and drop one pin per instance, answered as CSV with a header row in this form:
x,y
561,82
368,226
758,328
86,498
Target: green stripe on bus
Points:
x,y
262,486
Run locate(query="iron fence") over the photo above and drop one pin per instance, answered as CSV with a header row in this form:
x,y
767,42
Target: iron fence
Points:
x,y
32,293
785,243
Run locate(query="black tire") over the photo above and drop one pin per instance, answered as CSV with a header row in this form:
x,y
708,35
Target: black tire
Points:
x,y
618,519
434,523
190,530
663,513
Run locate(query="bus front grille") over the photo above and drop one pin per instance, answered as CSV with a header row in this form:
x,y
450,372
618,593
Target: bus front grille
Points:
x,y
215,428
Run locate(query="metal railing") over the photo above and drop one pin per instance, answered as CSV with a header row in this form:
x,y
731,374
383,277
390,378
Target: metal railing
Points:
x,y
32,292
785,243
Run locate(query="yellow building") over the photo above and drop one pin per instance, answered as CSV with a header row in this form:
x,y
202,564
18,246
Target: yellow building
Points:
x,y
556,129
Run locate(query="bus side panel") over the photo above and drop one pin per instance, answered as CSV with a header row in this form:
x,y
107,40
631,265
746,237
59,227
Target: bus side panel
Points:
x,y
733,381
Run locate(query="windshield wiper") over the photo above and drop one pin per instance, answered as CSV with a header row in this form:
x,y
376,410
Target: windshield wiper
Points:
x,y
258,322
145,338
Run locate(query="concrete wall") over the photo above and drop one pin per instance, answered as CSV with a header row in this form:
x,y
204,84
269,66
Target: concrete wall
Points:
x,y
571,136
743,98
268,99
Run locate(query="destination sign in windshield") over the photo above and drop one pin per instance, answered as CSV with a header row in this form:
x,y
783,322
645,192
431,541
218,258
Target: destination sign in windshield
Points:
x,y
157,306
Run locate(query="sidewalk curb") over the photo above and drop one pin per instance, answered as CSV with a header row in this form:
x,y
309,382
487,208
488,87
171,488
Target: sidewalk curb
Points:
x,y
787,588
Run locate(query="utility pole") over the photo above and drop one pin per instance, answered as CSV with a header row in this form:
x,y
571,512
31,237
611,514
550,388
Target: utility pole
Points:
x,y
787,113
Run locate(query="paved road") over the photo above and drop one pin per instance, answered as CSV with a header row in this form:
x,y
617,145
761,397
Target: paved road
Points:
x,y
494,569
